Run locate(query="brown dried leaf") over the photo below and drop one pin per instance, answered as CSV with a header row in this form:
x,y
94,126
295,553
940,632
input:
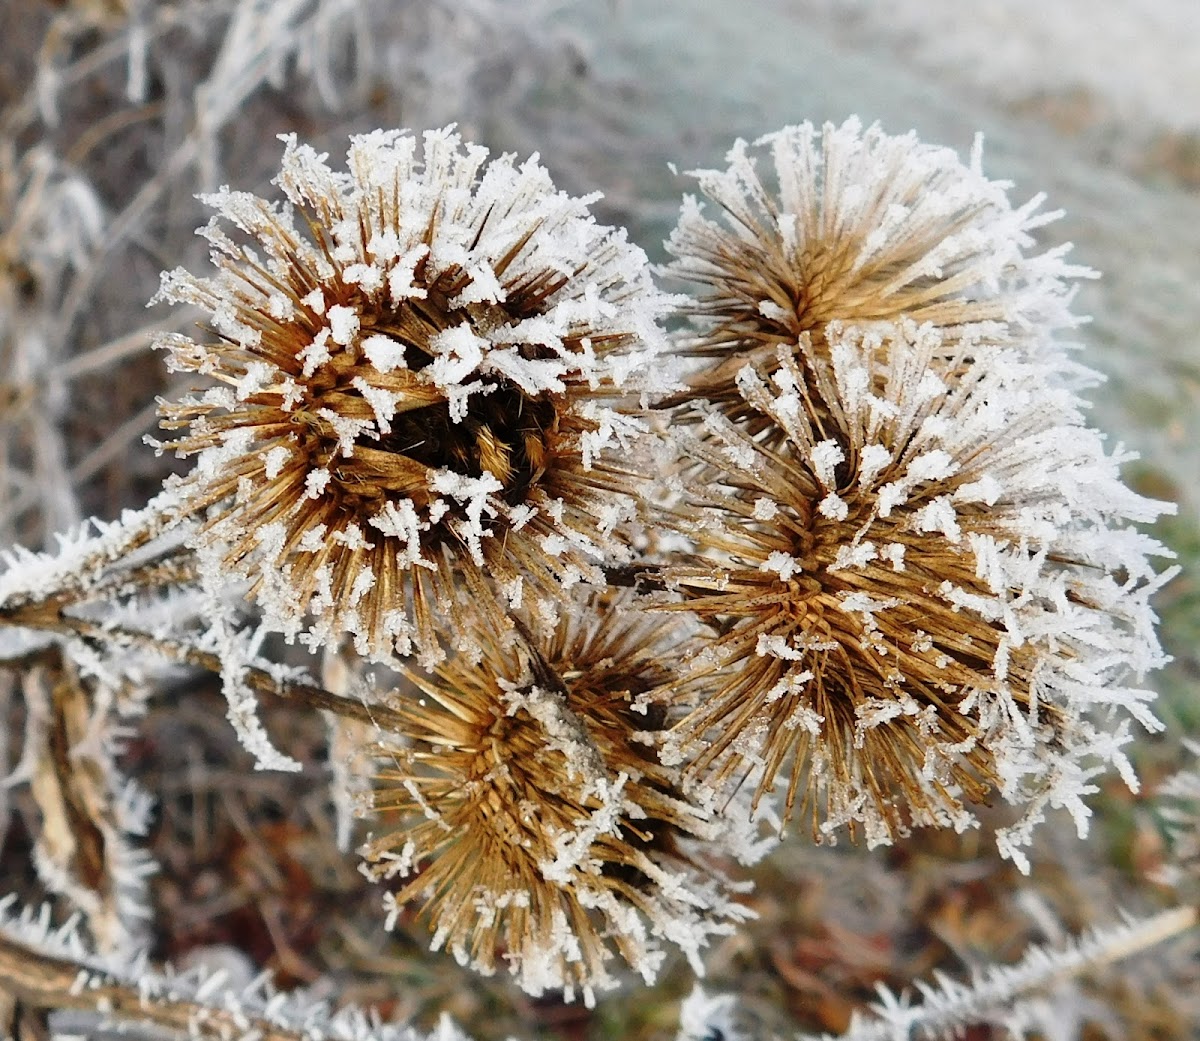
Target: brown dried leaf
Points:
x,y
69,783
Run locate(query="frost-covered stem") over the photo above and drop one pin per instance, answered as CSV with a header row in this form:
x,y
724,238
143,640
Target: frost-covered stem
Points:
x,y
175,568
79,566
47,982
172,569
949,1006
48,617
1140,937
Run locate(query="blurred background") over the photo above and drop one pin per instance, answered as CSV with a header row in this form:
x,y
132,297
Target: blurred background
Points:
x,y
115,113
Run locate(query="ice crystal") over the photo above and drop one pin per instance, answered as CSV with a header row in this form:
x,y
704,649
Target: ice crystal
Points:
x,y
1182,813
944,590
429,380
708,1017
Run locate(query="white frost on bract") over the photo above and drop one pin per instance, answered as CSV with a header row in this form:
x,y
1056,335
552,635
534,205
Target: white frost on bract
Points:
x,y
564,731
410,208
1043,523
866,225
533,836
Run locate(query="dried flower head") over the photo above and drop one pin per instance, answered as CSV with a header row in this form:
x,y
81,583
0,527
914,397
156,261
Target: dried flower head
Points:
x,y
532,819
921,592
424,380
855,226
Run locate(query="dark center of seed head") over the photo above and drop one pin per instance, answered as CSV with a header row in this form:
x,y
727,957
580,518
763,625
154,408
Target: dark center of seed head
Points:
x,y
503,433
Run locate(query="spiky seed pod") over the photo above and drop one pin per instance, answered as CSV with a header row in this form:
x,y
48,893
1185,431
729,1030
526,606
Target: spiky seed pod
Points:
x,y
532,820
920,593
423,377
855,226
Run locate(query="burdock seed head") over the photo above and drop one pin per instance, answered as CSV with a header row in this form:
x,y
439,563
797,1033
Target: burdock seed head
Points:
x,y
527,812
925,589
421,368
853,225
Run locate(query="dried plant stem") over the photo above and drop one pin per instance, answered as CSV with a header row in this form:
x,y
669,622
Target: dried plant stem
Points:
x,y
48,616
124,224
113,123
1150,933
96,359
115,445
48,982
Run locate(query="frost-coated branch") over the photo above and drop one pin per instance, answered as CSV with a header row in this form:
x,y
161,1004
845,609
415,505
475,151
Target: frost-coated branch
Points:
x,y
49,969
261,680
949,1006
81,563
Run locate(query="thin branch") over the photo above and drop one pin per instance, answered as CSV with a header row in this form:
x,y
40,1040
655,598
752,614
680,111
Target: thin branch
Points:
x,y
48,982
72,572
50,616
115,350
949,1007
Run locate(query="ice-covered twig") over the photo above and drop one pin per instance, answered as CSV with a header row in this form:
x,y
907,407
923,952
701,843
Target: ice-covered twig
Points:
x,y
83,558
949,1007
50,969
270,681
